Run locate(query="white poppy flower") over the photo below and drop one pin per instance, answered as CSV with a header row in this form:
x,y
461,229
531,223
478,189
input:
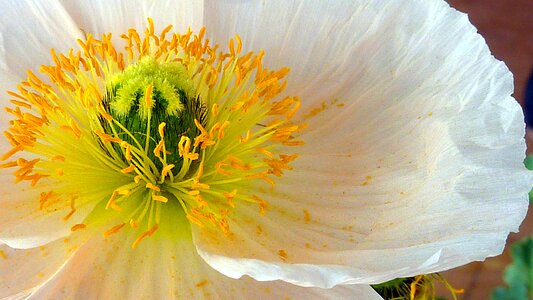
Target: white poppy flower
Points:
x,y
174,176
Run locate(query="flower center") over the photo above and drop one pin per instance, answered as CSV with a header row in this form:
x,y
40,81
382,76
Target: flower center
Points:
x,y
170,120
172,106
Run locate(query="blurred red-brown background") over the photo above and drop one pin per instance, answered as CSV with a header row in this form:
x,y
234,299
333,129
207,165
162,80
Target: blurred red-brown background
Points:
x,y
507,26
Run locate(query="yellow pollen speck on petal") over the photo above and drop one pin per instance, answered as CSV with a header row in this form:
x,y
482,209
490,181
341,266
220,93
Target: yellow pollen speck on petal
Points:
x,y
3,254
202,283
307,216
367,181
282,254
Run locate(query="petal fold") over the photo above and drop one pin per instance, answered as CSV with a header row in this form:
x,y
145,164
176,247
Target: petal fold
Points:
x,y
23,270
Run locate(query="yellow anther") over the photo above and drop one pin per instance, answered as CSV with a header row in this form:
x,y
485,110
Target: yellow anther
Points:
x,y
133,224
230,196
11,152
218,167
78,227
111,202
114,230
245,117
184,146
160,198
214,129
124,192
148,96
263,205
193,192
104,114
200,171
72,211
200,201
10,164
161,129
198,185
265,152
149,185
246,138
214,110
128,153
129,169
224,225
221,130
74,130
166,170
238,163
195,220
239,43
159,148
144,235
262,175
106,138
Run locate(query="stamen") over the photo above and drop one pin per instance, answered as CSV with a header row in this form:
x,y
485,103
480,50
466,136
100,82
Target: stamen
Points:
x,y
114,230
144,235
167,119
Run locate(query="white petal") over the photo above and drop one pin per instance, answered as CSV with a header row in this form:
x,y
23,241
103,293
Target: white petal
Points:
x,y
321,41
23,224
117,16
416,168
22,270
29,29
165,266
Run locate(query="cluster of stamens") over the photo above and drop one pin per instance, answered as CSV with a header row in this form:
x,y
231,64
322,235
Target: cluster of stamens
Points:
x,y
171,120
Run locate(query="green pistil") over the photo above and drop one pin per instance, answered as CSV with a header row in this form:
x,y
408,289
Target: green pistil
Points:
x,y
398,288
174,102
